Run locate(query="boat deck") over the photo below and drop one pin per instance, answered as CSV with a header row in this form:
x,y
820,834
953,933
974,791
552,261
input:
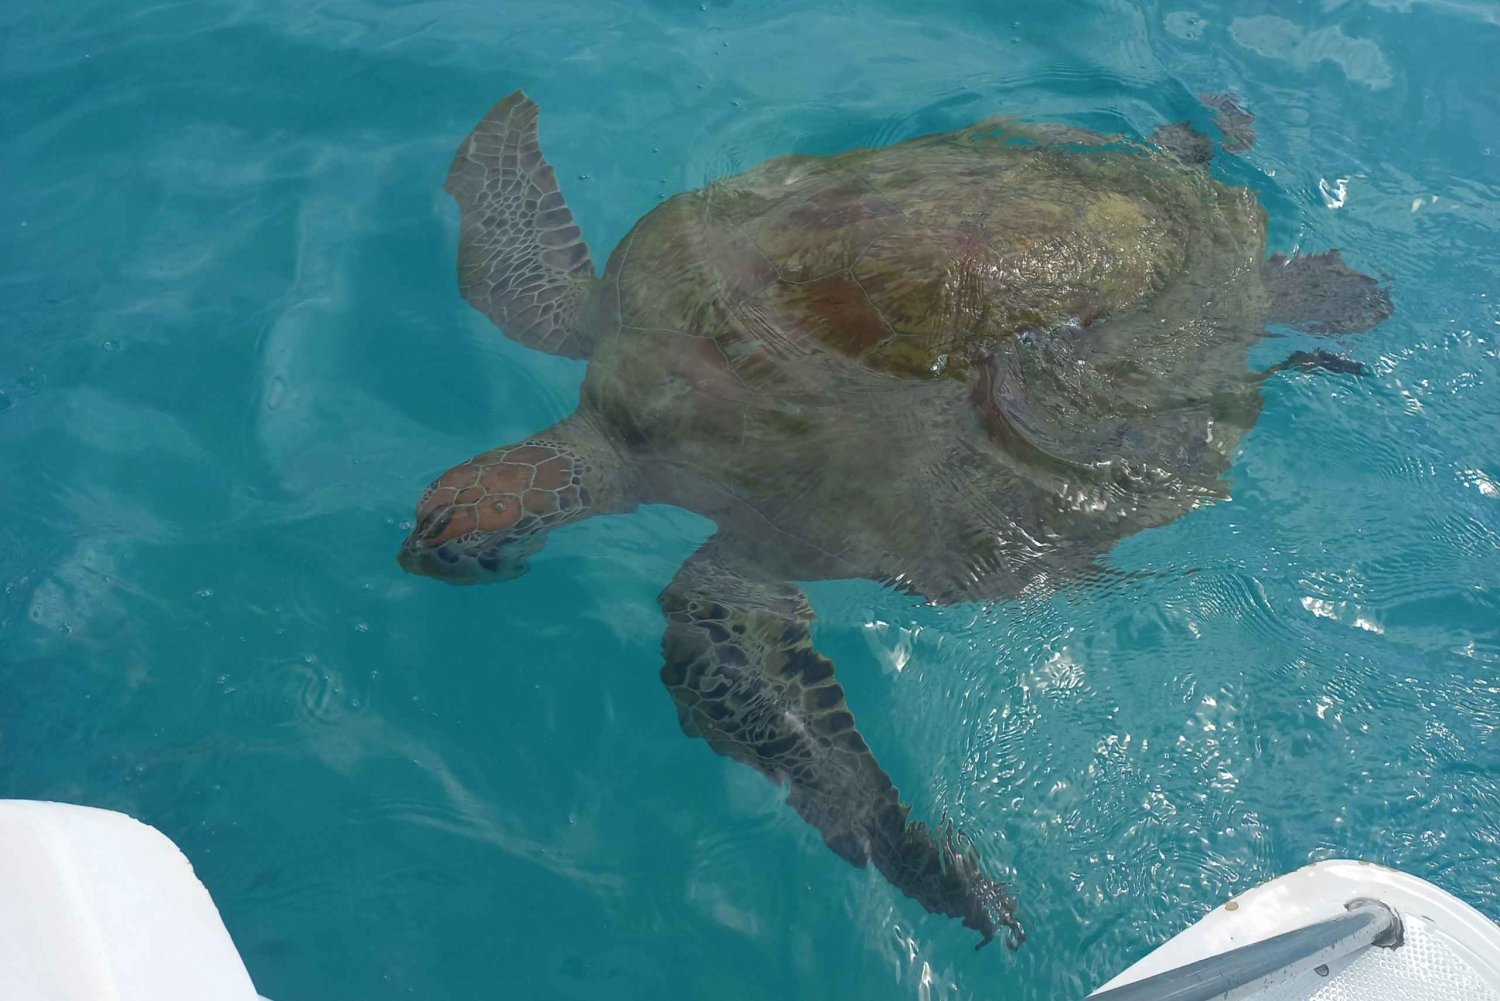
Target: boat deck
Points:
x,y
1445,950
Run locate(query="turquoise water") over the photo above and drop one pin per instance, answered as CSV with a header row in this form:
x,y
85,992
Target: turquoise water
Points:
x,y
232,353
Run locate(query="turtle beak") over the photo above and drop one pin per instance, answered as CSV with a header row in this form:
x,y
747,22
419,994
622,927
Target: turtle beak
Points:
x,y
475,559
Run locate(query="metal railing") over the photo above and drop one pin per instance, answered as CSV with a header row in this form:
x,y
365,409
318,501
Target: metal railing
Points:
x,y
1243,972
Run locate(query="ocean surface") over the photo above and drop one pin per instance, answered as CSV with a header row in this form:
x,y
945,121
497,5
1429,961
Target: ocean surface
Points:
x,y
232,353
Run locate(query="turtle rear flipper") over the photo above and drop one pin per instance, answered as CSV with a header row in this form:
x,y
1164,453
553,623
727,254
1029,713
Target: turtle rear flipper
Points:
x,y
1184,142
1236,126
741,667
521,260
1322,295
1235,123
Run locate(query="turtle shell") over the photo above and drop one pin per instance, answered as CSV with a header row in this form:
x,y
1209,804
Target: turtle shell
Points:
x,y
917,258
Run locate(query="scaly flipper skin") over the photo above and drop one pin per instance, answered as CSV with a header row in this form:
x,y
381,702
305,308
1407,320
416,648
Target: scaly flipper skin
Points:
x,y
1237,124
1323,295
1191,146
1318,361
1184,142
521,261
741,667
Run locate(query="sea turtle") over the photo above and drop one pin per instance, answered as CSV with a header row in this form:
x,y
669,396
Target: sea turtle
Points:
x,y
964,365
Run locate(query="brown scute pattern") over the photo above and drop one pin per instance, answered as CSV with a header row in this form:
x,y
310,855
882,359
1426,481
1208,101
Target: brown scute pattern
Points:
x,y
541,502
521,260
825,230
501,479
850,323
913,259
529,454
520,490
552,473
742,670
688,269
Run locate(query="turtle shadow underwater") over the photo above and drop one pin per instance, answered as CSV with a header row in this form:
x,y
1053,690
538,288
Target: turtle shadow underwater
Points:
x,y
965,366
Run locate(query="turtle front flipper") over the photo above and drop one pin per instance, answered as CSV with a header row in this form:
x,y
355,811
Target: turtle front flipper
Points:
x,y
1317,361
741,667
1322,295
521,260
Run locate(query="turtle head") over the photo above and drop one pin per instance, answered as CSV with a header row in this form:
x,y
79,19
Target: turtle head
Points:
x,y
481,520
